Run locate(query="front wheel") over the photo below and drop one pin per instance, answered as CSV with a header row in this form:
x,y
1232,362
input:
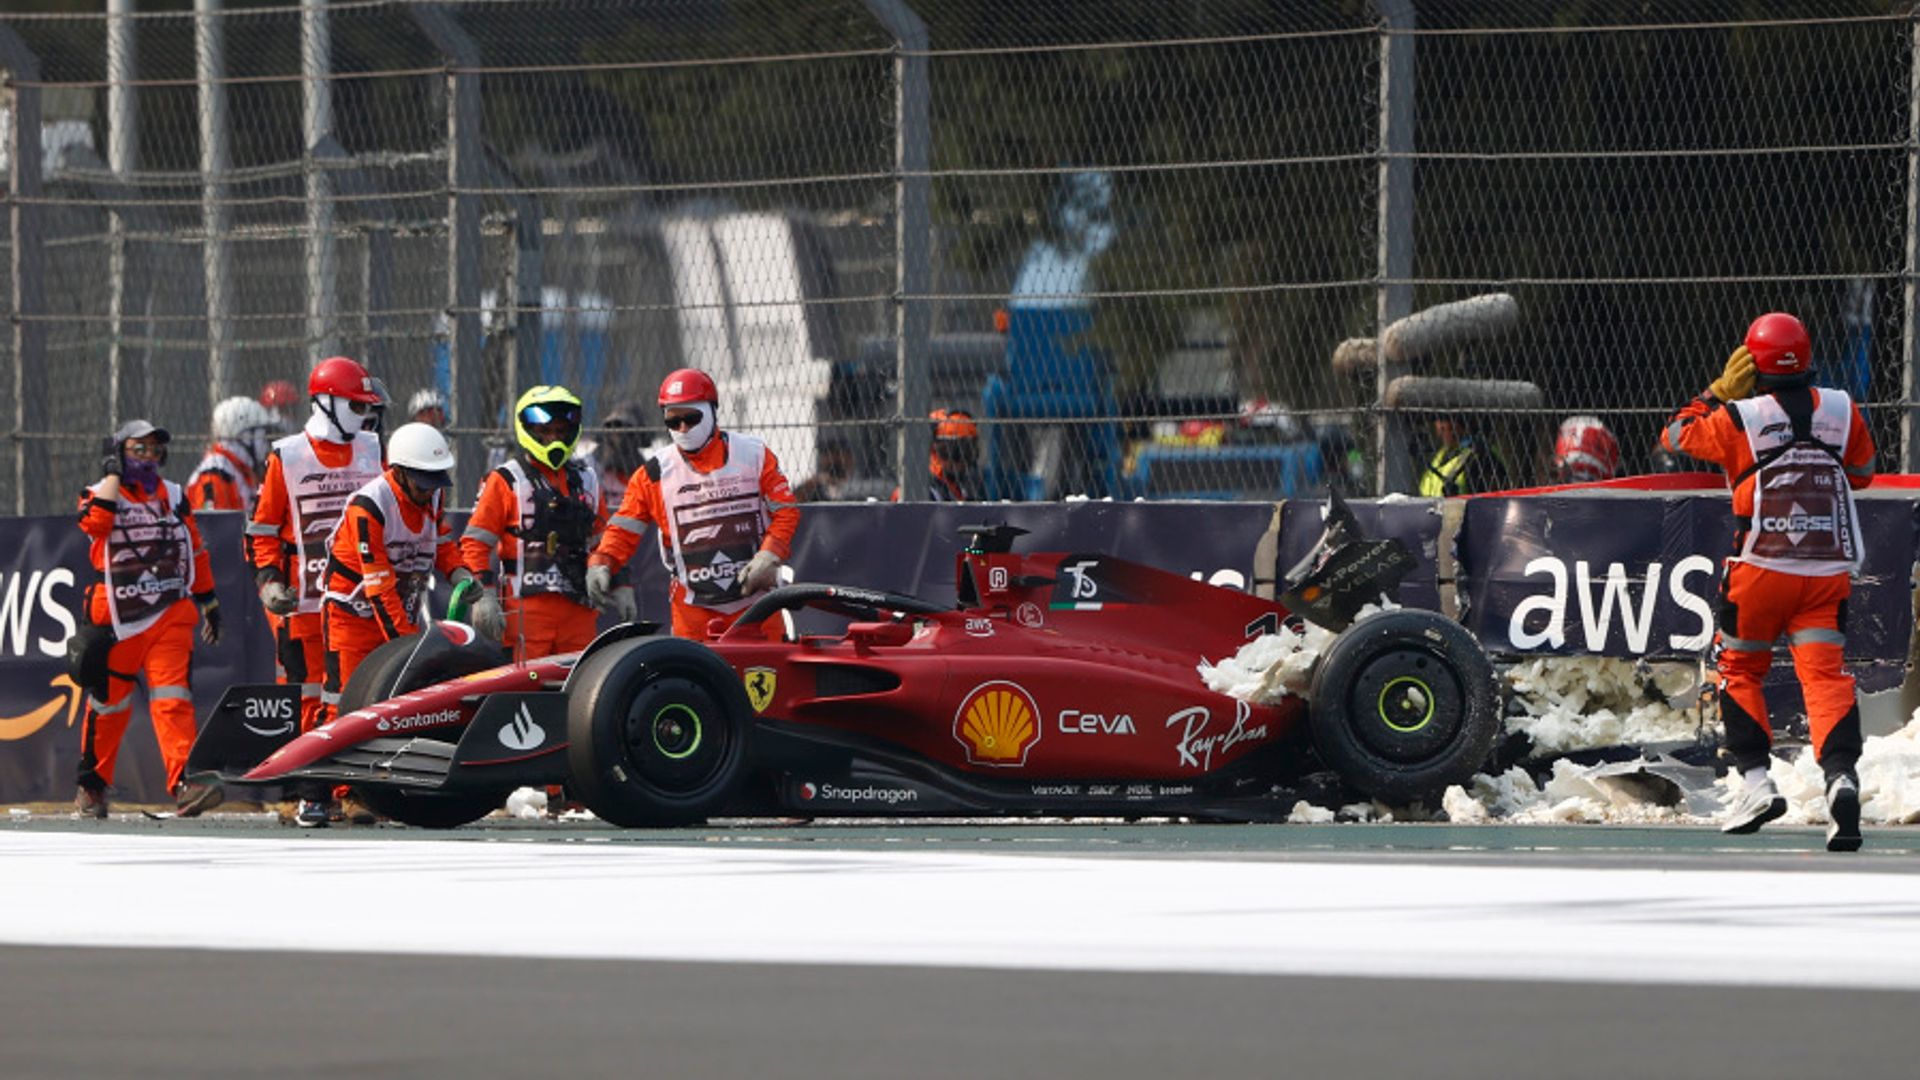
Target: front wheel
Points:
x,y
657,732
1404,704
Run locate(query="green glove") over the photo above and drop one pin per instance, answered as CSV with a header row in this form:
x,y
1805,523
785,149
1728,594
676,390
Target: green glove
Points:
x,y
1736,382
460,604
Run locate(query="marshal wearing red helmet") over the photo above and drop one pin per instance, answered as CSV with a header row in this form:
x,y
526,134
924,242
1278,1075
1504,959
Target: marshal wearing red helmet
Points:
x,y
723,507
308,478
1793,457
1585,451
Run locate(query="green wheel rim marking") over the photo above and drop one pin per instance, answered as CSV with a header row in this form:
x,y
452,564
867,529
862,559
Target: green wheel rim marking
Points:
x,y
694,723
1381,705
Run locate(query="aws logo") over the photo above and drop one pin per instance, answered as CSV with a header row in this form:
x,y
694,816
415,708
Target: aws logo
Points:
x,y
67,698
997,723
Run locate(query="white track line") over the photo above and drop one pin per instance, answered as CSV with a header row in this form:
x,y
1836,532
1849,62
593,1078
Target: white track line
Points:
x,y
619,901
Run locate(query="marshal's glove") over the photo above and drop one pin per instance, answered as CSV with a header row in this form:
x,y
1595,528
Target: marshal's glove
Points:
x,y
623,605
277,598
762,573
1736,382
488,618
600,586
209,618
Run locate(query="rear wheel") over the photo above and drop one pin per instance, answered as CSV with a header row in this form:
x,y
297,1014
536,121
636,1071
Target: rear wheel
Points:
x,y
1404,704
378,677
657,732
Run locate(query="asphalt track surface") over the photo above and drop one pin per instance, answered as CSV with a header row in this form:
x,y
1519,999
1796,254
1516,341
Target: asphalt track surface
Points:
x,y
1734,954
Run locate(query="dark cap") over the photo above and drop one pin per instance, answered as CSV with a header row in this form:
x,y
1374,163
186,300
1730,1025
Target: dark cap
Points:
x,y
427,479
140,429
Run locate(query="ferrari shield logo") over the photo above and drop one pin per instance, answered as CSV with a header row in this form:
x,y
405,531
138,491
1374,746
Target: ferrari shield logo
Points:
x,y
759,681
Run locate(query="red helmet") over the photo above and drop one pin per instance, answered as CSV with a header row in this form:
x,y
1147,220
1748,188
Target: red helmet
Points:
x,y
278,394
1585,450
341,377
953,424
686,386
1779,345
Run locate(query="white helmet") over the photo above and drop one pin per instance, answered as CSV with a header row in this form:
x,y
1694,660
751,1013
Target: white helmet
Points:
x,y
423,452
247,426
238,415
425,399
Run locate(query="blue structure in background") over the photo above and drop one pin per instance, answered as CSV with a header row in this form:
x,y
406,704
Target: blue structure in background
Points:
x,y
1052,373
1852,370
583,373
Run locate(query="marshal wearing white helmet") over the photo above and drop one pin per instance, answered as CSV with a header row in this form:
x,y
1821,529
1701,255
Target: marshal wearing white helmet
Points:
x,y
228,477
390,540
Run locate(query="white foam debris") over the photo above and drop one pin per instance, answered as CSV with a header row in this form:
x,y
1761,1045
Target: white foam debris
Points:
x,y
1461,808
1276,666
1579,702
1305,813
527,803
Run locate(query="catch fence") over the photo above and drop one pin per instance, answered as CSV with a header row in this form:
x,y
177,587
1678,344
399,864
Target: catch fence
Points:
x,y
1128,237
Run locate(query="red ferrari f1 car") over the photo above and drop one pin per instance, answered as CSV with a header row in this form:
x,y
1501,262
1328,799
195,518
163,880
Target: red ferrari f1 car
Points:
x,y
1057,684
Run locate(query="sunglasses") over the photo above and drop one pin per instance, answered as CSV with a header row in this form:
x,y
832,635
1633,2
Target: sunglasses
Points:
x,y
150,451
682,421
359,408
536,415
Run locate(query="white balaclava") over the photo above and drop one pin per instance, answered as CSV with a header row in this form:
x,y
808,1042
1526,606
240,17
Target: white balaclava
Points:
x,y
690,440
333,420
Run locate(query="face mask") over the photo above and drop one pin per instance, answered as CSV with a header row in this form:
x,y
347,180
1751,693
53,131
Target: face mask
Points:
x,y
695,437
142,471
338,421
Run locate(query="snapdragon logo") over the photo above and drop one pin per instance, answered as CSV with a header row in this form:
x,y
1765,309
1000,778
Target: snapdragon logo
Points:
x,y
1542,620
872,793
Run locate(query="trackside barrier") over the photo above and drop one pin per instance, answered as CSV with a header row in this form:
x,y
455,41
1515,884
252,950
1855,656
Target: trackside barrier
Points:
x,y
1567,571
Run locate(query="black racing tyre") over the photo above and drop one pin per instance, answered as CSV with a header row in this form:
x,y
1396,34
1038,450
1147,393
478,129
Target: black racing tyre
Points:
x,y
379,671
657,732
1403,704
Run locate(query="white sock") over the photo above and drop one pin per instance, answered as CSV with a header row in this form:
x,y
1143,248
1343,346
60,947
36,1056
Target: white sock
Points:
x,y
1754,777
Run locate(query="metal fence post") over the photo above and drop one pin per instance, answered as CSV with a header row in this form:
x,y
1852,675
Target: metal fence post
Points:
x,y
210,71
912,231
24,222
377,270
1394,299
527,286
464,165
316,69
1910,320
123,157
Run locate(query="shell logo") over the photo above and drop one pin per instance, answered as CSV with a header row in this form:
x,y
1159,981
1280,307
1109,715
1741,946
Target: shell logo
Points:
x,y
998,723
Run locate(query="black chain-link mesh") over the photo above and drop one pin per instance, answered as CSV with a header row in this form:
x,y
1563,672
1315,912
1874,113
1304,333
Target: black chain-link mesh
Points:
x,y
1149,225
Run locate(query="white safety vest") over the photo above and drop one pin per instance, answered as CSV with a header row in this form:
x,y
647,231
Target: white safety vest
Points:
x,y
317,496
148,560
409,550
219,463
715,522
1804,520
537,571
